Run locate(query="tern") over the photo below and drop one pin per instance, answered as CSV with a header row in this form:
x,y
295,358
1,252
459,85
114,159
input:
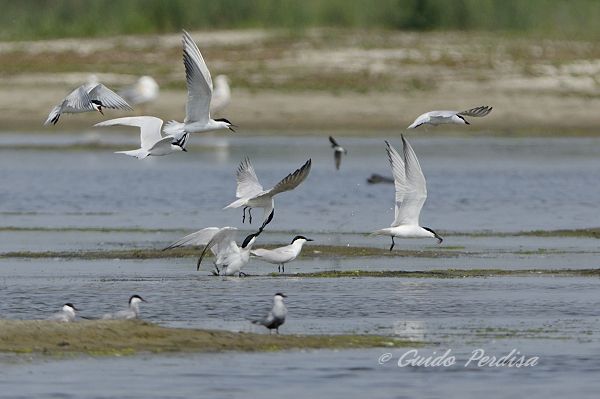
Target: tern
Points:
x,y
67,313
276,315
200,91
411,192
144,91
82,99
221,95
282,255
221,241
338,150
252,195
435,118
153,143
132,312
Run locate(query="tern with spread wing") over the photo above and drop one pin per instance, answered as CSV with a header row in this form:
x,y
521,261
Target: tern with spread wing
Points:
x,y
82,99
152,142
282,255
252,195
276,316
229,257
200,91
66,314
132,311
338,150
435,118
411,192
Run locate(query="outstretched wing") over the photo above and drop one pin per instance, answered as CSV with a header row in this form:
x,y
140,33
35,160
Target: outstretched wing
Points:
x,y
397,165
248,184
292,180
477,111
200,237
199,82
107,97
149,128
333,142
415,191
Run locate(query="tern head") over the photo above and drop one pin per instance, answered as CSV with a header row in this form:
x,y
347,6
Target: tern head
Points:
x,y
228,124
434,234
68,307
301,238
136,299
280,296
97,106
250,240
181,142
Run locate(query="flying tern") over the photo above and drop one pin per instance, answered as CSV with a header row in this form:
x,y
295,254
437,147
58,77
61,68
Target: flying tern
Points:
x,y
276,315
221,95
435,118
338,150
67,313
411,192
282,255
200,91
132,311
82,99
252,195
152,142
221,241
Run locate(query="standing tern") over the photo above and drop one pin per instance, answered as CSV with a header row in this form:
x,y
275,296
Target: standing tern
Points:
x,y
83,99
144,91
282,255
435,118
252,195
411,192
221,241
67,313
221,95
276,315
152,141
132,312
200,91
338,150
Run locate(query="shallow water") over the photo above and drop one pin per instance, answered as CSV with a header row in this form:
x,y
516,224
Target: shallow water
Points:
x,y
494,185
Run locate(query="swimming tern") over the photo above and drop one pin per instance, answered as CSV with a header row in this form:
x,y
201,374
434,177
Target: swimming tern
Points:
x,y
67,313
221,95
252,195
221,241
435,118
144,91
282,255
276,315
132,311
200,91
152,142
411,192
338,150
82,99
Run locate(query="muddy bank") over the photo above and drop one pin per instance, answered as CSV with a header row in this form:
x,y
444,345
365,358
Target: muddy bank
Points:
x,y
129,336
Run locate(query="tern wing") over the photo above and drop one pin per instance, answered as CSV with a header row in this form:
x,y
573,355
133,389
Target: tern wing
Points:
x,y
422,119
248,184
477,111
107,97
199,82
200,237
149,128
398,171
222,245
333,142
292,180
415,192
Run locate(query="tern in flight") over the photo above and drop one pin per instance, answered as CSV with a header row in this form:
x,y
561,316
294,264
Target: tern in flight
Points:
x,y
229,257
252,195
132,311
435,118
82,99
200,91
152,142
411,192
282,255
338,150
276,315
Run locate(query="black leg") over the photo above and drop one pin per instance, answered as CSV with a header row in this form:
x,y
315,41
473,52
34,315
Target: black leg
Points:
x,y
393,243
244,215
250,215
